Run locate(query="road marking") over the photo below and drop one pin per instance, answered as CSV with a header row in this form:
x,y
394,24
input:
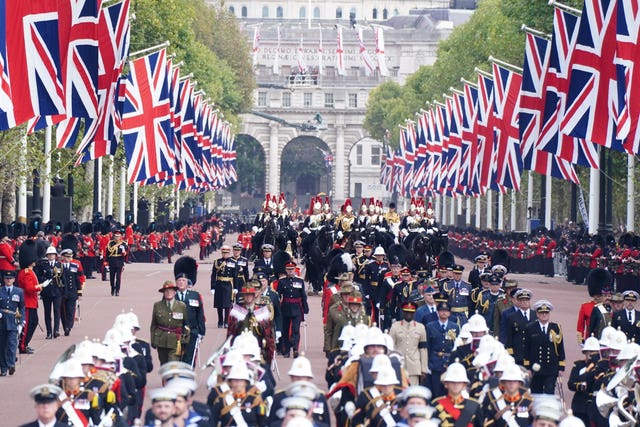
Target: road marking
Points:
x,y
153,273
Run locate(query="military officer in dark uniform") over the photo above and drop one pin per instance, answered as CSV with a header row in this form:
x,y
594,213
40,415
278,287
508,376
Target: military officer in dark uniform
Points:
x,y
628,319
504,308
459,294
517,323
488,299
195,316
50,269
266,262
72,283
241,265
454,409
117,250
168,332
12,310
293,306
360,261
373,275
479,268
544,350
47,404
602,313
222,280
401,292
582,379
441,335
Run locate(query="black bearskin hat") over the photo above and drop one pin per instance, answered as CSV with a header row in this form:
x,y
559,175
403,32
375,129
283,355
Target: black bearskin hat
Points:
x,y
500,257
187,266
3,230
28,253
597,280
446,258
280,258
69,241
86,228
35,225
18,229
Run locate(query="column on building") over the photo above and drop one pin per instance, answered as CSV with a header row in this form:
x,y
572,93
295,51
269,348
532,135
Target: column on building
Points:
x,y
339,181
273,160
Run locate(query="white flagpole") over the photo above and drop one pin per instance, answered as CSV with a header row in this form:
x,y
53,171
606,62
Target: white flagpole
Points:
x,y
22,186
276,61
320,64
530,200
631,167
478,223
500,211
547,203
46,189
256,45
513,211
489,210
109,210
123,193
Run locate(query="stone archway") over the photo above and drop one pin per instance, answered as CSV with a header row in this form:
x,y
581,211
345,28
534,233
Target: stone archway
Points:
x,y
305,169
251,170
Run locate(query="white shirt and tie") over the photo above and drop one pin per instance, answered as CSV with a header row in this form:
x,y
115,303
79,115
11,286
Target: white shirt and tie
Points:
x,y
525,314
631,315
545,328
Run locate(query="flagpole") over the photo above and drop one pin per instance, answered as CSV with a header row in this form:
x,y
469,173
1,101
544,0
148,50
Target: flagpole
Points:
x,y
134,207
452,211
123,194
565,7
109,209
46,190
513,211
505,64
547,203
149,49
631,168
467,82
529,200
535,32
22,187
500,226
176,214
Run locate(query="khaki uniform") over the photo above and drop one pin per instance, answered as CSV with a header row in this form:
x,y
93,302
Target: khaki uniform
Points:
x,y
410,339
167,330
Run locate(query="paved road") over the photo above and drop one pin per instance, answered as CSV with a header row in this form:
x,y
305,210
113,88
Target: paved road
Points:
x,y
140,284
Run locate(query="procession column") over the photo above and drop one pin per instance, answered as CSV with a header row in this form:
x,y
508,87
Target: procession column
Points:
x,y
273,158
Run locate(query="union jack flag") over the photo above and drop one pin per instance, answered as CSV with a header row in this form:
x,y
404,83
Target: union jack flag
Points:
x,y
386,175
102,133
536,62
442,124
485,164
398,171
507,85
190,152
556,84
454,107
592,98
420,164
434,150
7,120
469,138
33,52
627,53
407,151
146,119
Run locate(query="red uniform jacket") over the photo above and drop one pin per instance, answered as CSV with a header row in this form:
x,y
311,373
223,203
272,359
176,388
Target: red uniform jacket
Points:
x,y
28,281
584,315
6,257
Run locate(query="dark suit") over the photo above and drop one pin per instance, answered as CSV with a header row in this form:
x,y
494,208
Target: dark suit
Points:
x,y
515,329
72,288
545,351
293,306
440,346
582,382
52,294
35,424
267,266
10,303
195,321
620,320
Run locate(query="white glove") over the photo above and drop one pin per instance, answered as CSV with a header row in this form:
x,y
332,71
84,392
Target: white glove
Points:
x,y
535,367
0,315
339,235
45,283
278,335
349,409
213,291
334,400
106,422
306,230
260,385
430,231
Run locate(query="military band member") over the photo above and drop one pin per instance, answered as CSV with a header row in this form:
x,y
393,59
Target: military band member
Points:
x,y
163,407
46,401
509,404
256,319
454,408
360,260
293,306
582,379
195,320
544,350
488,299
77,401
410,339
50,269
628,319
441,335
459,294
12,310
377,405
517,323
168,332
222,282
238,407
72,279
117,251
598,282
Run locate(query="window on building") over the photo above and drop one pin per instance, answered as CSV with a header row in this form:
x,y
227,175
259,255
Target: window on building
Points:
x,y
359,155
357,190
244,11
303,12
374,13
262,99
328,100
265,11
232,10
308,99
385,13
353,100
375,156
339,13
352,13
316,12
396,12
286,99
279,12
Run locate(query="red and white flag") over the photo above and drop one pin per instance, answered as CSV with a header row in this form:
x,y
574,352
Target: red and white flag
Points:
x,y
380,56
256,45
340,53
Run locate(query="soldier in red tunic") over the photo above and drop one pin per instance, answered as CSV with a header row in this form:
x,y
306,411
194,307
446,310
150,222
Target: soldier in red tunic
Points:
x,y
598,282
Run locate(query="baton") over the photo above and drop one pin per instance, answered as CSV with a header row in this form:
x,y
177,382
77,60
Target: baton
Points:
x,y
195,351
560,391
274,365
78,318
